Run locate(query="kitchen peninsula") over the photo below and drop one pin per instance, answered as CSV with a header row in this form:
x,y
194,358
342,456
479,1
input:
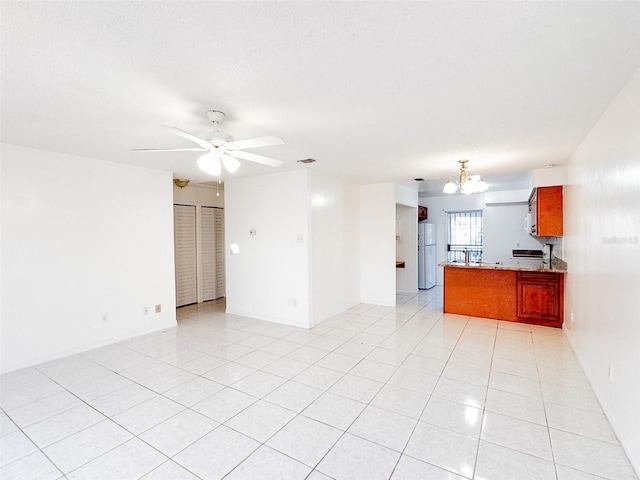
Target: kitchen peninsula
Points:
x,y
502,292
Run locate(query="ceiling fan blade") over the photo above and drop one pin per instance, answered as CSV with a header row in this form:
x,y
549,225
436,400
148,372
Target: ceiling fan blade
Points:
x,y
187,135
252,157
256,142
169,149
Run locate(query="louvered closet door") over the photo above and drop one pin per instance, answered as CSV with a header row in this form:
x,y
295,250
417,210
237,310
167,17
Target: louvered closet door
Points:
x,y
219,232
184,221
208,252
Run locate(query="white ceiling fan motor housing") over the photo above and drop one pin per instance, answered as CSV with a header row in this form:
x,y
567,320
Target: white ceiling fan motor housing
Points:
x,y
216,116
217,137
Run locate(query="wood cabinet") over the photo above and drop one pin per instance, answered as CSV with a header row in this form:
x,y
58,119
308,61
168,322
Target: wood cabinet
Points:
x,y
480,292
545,207
422,213
540,298
535,297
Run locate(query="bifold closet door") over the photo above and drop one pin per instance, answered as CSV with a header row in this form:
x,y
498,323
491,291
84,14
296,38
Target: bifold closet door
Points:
x,y
208,243
212,252
184,221
220,250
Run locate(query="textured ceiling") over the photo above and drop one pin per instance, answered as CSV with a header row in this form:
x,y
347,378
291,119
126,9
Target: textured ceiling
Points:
x,y
376,92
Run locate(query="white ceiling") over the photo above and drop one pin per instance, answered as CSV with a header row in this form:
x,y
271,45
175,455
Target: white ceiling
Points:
x,y
375,92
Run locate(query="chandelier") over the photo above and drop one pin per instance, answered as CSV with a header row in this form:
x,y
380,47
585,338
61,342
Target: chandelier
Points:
x,y
466,182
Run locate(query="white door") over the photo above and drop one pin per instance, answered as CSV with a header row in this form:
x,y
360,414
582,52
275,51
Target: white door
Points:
x,y
208,249
212,253
184,221
219,234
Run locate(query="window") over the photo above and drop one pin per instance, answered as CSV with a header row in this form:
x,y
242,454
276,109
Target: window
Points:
x,y
465,233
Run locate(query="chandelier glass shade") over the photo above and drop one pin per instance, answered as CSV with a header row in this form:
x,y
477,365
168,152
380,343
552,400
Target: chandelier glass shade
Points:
x,y
465,182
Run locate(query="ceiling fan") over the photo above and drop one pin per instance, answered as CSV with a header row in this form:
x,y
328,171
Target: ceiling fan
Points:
x,y
220,147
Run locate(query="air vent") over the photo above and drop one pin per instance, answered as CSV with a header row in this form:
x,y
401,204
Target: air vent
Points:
x,y
306,160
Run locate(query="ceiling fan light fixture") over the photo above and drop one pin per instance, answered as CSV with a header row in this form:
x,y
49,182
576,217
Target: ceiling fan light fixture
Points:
x,y
230,163
219,147
210,163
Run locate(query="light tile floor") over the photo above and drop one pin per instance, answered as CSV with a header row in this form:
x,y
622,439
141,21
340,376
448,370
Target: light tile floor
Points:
x,y
375,392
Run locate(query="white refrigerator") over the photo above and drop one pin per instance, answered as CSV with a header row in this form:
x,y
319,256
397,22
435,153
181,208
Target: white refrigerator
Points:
x,y
426,255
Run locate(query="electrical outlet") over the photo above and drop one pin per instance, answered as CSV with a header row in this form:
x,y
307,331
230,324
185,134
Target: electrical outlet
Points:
x,y
146,310
104,317
158,308
291,302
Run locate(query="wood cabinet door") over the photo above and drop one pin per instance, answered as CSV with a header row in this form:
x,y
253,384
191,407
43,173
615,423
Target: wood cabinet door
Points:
x,y
549,211
540,298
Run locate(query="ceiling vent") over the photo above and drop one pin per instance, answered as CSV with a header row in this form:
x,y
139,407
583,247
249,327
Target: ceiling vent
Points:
x,y
307,160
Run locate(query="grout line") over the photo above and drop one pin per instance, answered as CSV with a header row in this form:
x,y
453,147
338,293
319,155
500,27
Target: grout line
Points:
x,y
544,406
248,328
38,449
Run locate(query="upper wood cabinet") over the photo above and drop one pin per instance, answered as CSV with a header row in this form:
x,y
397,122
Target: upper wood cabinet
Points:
x,y
545,207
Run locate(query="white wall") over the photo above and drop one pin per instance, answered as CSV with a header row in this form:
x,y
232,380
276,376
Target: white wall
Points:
x,y
407,248
406,196
503,226
335,255
271,272
407,243
602,249
377,244
549,177
81,237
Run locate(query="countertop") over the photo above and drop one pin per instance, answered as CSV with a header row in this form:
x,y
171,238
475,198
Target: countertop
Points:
x,y
496,266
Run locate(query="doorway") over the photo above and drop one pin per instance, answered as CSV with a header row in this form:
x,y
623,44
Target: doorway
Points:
x,y
199,253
